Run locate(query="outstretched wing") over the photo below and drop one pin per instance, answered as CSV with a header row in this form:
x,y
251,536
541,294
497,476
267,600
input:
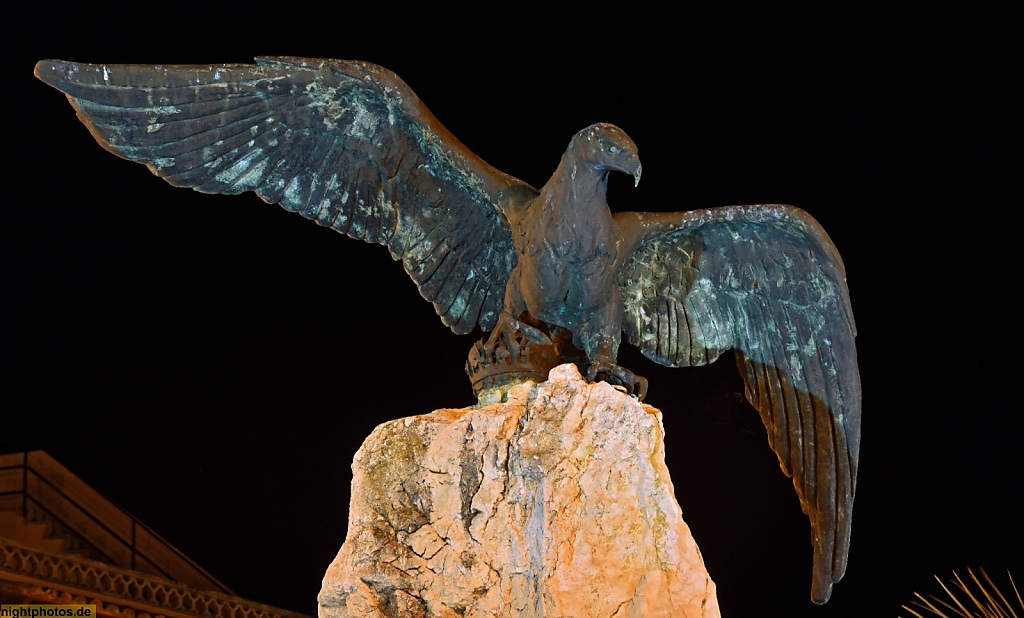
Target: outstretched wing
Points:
x,y
346,144
767,282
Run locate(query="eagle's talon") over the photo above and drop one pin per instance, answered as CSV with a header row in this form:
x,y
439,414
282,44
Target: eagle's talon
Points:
x,y
616,374
532,333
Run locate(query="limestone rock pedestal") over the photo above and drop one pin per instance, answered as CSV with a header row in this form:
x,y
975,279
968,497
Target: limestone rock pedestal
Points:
x,y
554,504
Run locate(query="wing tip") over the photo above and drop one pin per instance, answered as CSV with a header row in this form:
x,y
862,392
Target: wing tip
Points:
x,y
48,71
67,76
821,592
822,581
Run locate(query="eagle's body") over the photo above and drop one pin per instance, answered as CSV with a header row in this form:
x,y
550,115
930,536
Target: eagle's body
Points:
x,y
568,248
350,146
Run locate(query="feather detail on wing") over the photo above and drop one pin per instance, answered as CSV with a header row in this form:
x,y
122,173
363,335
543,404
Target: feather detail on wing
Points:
x,y
346,144
767,282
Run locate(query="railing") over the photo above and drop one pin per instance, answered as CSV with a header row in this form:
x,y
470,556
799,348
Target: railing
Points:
x,y
111,533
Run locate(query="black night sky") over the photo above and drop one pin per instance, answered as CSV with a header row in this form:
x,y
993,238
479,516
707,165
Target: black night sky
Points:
x,y
212,363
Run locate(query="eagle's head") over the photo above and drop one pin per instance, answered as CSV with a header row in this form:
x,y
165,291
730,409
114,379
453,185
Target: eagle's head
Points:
x,y
607,147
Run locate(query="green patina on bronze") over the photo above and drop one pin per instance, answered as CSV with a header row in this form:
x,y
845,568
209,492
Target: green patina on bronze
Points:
x,y
552,273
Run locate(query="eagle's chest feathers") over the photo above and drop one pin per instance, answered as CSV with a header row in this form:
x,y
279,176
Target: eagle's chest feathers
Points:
x,y
574,245
567,258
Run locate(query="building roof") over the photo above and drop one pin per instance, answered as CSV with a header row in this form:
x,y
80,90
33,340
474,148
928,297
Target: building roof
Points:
x,y
61,541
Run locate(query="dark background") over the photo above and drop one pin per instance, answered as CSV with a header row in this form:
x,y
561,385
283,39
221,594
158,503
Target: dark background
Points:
x,y
212,363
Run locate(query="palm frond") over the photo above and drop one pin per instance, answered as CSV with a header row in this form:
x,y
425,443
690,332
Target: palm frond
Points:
x,y
982,600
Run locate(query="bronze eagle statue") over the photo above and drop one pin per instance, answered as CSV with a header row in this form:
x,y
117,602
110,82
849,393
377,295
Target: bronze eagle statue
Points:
x,y
350,146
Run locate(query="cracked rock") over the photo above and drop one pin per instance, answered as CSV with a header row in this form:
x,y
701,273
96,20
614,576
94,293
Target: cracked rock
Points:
x,y
556,503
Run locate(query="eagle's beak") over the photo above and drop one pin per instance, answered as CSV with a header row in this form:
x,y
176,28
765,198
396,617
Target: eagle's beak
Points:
x,y
629,164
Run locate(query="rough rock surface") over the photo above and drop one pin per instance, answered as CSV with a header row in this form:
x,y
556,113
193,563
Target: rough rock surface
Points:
x,y
556,503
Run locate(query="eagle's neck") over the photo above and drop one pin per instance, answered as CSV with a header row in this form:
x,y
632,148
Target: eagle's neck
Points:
x,y
579,188
570,218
